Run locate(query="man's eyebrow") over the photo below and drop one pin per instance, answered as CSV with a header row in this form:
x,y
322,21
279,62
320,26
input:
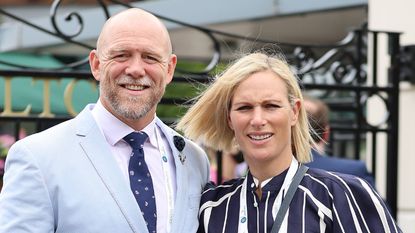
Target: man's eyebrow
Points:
x,y
116,50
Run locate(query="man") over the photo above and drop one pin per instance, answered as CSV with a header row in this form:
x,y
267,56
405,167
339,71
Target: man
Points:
x,y
76,177
318,115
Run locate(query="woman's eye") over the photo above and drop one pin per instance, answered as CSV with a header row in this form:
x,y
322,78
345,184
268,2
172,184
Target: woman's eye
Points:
x,y
242,108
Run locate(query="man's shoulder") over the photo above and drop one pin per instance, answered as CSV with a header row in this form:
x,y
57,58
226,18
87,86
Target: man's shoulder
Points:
x,y
342,165
330,162
59,132
343,161
50,136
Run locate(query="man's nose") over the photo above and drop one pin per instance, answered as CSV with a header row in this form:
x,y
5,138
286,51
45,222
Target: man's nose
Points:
x,y
135,67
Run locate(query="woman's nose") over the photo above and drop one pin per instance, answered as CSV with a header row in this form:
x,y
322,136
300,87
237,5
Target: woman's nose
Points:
x,y
258,118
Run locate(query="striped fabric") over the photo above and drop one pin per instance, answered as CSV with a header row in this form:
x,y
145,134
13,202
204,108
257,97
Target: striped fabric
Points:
x,y
324,202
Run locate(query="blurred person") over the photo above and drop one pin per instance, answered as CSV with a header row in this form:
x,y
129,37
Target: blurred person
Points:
x,y
212,155
318,116
87,174
225,165
233,164
258,107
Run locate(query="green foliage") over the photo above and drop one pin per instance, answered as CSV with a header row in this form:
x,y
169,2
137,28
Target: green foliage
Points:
x,y
3,152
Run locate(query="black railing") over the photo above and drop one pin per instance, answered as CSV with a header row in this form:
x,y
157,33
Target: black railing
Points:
x,y
336,73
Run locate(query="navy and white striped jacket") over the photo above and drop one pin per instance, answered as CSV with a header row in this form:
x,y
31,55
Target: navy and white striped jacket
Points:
x,y
324,202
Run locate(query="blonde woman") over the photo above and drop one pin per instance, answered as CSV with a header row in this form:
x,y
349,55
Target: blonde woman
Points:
x,y
257,104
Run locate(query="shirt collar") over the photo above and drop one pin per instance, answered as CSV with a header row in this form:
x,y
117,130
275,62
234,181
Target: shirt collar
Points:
x,y
273,184
114,130
150,130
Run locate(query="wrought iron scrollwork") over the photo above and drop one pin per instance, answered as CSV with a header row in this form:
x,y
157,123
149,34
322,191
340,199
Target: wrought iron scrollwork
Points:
x,y
384,118
68,18
72,15
54,34
303,57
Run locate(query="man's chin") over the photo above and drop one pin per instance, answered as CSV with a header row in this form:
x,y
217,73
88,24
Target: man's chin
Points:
x,y
131,115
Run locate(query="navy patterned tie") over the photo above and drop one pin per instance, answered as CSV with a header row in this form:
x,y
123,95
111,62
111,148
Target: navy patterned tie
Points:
x,y
140,179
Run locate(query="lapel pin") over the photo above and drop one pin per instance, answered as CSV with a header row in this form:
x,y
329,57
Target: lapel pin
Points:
x,y
179,143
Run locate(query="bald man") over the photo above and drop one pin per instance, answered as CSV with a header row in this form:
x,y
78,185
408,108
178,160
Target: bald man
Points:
x,y
76,176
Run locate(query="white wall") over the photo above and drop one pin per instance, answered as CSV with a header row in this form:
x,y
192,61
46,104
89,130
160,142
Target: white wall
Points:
x,y
399,16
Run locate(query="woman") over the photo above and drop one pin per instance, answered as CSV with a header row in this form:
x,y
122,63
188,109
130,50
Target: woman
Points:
x,y
257,104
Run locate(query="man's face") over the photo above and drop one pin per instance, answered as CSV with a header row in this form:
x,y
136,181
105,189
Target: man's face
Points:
x,y
135,65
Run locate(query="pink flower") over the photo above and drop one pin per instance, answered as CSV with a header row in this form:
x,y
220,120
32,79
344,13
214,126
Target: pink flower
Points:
x,y
6,140
1,166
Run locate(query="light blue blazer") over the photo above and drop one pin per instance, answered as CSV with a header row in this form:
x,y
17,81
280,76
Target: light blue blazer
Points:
x,y
65,179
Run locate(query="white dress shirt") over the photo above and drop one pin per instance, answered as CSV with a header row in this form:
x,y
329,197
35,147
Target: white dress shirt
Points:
x,y
114,130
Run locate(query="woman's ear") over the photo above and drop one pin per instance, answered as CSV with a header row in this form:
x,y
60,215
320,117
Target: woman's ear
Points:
x,y
230,122
295,112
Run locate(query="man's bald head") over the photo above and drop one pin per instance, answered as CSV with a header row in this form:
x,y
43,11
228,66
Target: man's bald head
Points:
x,y
128,19
133,63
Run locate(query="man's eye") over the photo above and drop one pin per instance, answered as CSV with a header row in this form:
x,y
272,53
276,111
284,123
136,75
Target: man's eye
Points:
x,y
150,59
119,56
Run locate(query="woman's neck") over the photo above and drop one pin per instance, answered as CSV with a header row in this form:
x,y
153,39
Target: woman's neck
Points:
x,y
266,170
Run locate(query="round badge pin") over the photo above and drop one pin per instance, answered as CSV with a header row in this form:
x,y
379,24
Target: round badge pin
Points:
x,y
243,220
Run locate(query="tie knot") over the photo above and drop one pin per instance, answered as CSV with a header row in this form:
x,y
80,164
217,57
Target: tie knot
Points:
x,y
136,139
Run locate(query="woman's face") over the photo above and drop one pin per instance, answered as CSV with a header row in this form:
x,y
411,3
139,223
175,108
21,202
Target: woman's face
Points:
x,y
261,118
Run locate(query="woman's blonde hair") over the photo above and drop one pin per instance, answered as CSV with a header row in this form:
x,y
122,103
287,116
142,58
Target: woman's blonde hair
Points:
x,y
206,121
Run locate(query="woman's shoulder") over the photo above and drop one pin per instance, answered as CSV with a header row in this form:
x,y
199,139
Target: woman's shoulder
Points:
x,y
213,192
318,178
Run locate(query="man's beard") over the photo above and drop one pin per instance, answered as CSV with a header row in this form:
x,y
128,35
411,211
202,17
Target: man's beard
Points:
x,y
132,107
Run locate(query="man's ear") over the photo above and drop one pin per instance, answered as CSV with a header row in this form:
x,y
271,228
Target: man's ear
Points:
x,y
326,134
94,64
171,66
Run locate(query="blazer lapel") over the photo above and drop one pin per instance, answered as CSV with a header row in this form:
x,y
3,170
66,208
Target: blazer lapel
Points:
x,y
97,151
181,174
